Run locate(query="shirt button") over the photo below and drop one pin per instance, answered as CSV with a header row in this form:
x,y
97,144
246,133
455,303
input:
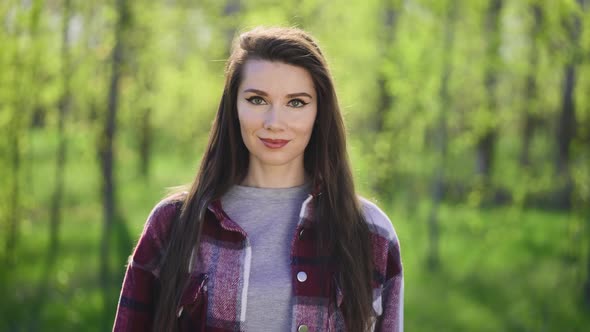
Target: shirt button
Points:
x,y
303,328
302,276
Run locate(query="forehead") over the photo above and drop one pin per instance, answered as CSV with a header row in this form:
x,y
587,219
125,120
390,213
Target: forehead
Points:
x,y
275,77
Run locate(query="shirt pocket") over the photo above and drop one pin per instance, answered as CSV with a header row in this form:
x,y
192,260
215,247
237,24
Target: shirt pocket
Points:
x,y
192,309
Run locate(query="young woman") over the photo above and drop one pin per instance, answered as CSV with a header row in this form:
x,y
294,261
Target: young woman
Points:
x,y
271,235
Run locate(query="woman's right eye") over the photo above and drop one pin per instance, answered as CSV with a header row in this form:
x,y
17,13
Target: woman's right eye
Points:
x,y
255,100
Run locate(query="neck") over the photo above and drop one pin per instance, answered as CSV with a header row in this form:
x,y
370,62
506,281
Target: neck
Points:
x,y
270,176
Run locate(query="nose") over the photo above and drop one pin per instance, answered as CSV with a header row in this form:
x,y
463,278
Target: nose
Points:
x,y
273,119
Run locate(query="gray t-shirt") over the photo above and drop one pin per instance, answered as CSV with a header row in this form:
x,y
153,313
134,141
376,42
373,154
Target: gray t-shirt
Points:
x,y
269,216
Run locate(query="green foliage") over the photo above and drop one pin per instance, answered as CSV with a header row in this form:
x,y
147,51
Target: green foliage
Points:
x,y
511,266
504,269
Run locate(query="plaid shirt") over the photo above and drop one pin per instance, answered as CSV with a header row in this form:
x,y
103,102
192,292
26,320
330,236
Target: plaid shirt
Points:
x,y
215,297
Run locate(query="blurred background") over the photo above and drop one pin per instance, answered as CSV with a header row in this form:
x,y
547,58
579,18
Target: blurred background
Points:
x,y
468,121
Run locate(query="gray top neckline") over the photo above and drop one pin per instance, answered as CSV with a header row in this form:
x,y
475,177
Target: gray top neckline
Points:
x,y
274,194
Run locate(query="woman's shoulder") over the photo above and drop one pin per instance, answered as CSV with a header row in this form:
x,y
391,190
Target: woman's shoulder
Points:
x,y
156,231
169,202
378,221
384,239
163,213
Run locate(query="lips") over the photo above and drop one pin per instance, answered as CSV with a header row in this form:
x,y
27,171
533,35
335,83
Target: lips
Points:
x,y
274,143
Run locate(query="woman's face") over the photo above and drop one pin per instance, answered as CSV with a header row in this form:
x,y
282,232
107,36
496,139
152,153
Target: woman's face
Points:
x,y
277,107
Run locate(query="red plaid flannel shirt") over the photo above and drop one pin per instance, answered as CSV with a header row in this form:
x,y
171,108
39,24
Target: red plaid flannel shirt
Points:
x,y
215,298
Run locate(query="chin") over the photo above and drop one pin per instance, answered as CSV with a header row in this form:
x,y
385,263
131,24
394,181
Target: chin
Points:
x,y
275,160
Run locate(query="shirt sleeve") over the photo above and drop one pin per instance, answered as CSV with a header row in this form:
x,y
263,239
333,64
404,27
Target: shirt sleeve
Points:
x,y
135,310
389,297
392,318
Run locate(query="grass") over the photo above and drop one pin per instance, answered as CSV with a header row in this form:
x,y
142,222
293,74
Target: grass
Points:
x,y
502,269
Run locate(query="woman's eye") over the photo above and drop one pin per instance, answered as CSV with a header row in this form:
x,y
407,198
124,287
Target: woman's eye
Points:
x,y
297,103
256,100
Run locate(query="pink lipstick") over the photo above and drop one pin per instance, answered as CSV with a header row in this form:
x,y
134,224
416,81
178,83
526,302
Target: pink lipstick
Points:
x,y
274,143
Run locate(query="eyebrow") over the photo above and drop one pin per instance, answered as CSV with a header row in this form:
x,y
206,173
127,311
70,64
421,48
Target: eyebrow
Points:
x,y
291,95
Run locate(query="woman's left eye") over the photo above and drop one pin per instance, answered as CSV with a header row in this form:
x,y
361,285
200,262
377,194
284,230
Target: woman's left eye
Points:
x,y
297,103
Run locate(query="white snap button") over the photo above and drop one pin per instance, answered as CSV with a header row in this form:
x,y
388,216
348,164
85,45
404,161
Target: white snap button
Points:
x,y
302,276
303,328
179,312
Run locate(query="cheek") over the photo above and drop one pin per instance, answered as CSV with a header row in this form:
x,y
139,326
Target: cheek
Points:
x,y
306,124
248,121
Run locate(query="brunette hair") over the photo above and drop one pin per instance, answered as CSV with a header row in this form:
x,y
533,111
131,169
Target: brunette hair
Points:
x,y
341,228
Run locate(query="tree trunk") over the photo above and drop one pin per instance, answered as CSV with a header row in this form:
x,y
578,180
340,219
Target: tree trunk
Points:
x,y
26,101
106,150
388,14
566,127
586,140
385,98
145,123
530,119
586,293
231,8
57,198
437,191
145,144
485,153
64,108
14,206
565,133
486,144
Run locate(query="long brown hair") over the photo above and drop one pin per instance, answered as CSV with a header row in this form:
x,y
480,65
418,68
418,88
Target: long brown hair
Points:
x,y
341,228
